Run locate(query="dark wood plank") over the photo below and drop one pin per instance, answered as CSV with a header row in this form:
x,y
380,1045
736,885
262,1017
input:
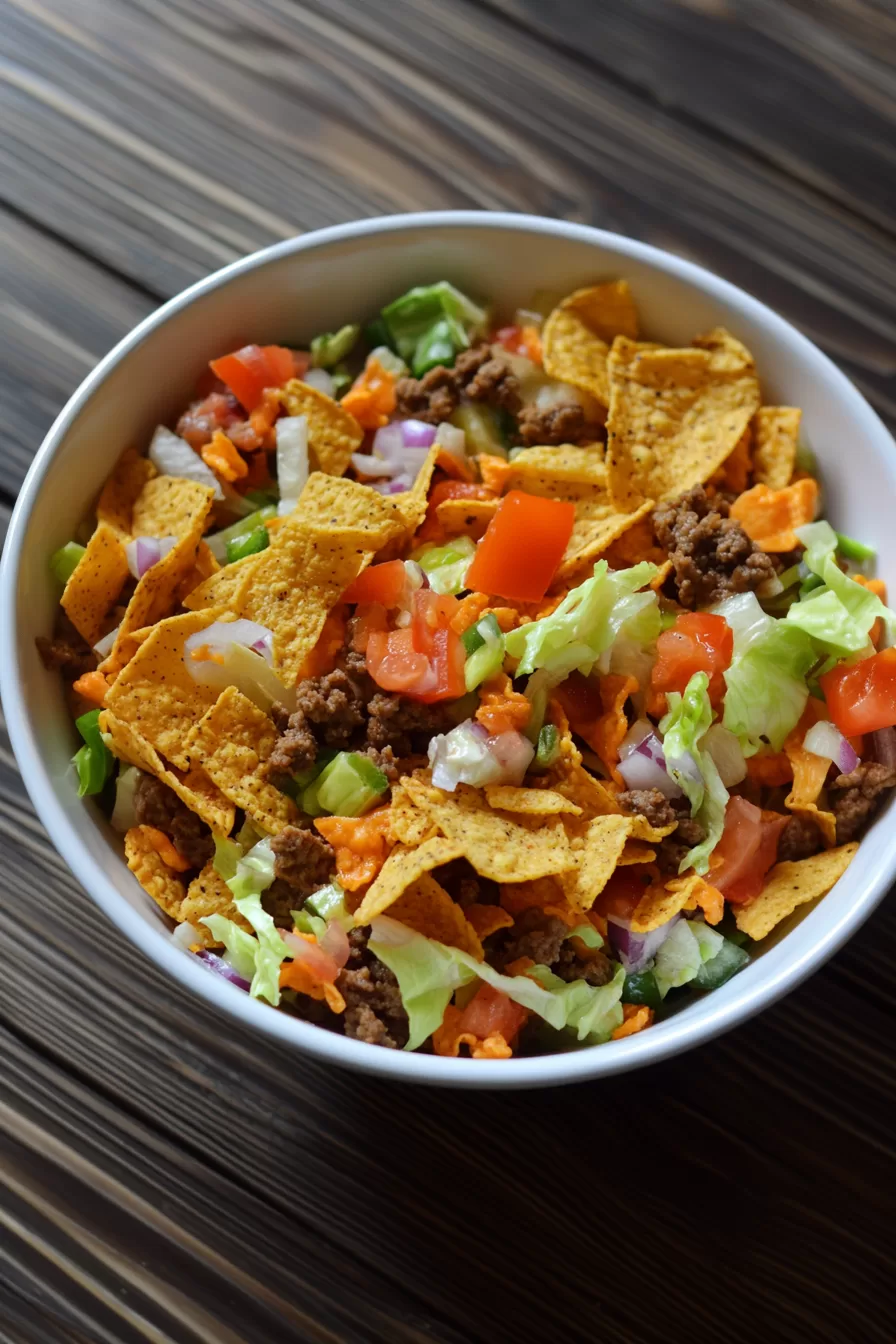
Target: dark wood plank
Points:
x,y
59,312
807,85
334,109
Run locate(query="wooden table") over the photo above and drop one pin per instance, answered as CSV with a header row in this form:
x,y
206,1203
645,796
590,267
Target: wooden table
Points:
x,y
167,1177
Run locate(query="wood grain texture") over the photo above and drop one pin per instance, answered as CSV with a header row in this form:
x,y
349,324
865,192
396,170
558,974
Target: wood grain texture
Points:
x,y
164,1175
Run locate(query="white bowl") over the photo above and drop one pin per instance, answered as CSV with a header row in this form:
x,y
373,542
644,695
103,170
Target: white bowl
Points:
x,y
287,293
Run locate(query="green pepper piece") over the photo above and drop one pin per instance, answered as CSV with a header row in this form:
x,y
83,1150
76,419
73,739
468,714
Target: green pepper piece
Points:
x,y
641,987
854,550
332,346
346,787
377,333
94,761
256,540
548,747
64,562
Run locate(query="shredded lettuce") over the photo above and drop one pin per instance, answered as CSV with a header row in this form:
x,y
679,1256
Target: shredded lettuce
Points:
x,y
692,767
586,623
839,615
241,946
259,957
446,566
683,952
428,973
766,682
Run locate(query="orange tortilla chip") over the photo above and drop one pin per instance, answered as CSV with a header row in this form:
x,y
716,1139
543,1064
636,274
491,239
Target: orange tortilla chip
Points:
x,y
736,469
115,506
427,908
333,434
361,845
155,877
402,869
193,787
577,335
612,725
635,1018
448,1038
675,415
776,431
663,900
488,919
155,693
209,894
635,544
596,850
295,583
96,582
769,517
232,742
809,775
789,885
545,893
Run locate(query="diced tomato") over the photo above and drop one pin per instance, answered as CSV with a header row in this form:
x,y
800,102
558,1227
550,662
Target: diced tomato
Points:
x,y
512,339
491,1012
697,642
247,372
370,616
862,698
746,851
524,544
624,890
393,662
386,583
432,612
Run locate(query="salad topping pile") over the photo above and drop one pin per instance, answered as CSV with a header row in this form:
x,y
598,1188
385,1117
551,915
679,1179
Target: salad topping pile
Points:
x,y
478,688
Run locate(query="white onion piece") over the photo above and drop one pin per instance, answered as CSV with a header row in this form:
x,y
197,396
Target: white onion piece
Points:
x,y
187,936
452,439
320,379
467,755
144,552
173,456
416,577
292,460
645,767
824,739
725,749
368,465
103,647
388,443
124,813
248,672
221,634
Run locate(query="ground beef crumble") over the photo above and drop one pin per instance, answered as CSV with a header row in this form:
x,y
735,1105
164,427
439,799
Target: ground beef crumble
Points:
x,y
477,374
800,839
712,556
650,804
559,424
70,656
544,938
157,805
856,797
374,1011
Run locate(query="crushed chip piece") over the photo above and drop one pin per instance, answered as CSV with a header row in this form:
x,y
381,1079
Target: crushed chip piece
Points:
x,y
402,869
209,894
448,1038
466,517
810,774
791,884
96,582
115,506
577,335
488,919
155,877
545,893
595,852
776,432
155,693
334,503
193,787
219,589
426,907
770,517
635,1018
535,802
612,725
333,434
675,415
635,852
232,742
409,825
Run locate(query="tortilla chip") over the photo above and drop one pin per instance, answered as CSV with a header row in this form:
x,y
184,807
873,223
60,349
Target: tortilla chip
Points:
x,y
577,335
596,853
488,919
427,908
448,1038
295,582
635,1018
402,869
333,434
95,583
466,517
776,432
408,823
155,877
192,787
535,802
334,503
675,415
545,893
635,544
791,884
810,774
413,502
232,742
770,517
539,471
218,591
121,491
635,852
612,726
168,505
737,467
209,894
206,567
155,693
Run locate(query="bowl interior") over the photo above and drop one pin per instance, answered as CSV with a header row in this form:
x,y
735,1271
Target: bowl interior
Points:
x,y
318,283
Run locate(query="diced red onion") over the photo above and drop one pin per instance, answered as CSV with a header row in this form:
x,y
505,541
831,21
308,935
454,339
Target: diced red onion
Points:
x,y
365,464
320,379
219,966
635,950
144,552
452,439
335,943
173,456
319,962
514,752
417,433
883,742
103,647
467,755
639,730
727,753
644,767
220,635
824,739
392,444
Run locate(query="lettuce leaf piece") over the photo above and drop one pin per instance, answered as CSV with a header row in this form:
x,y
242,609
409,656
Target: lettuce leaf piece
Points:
x,y
446,566
257,959
766,682
270,949
839,615
240,946
428,973
682,954
692,767
586,623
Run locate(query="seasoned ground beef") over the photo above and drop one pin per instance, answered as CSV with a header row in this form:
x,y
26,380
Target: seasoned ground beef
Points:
x,y
67,654
477,374
800,839
303,861
402,724
329,711
671,850
596,969
856,797
544,939
652,805
712,556
157,805
373,1008
559,424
